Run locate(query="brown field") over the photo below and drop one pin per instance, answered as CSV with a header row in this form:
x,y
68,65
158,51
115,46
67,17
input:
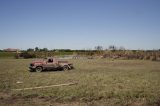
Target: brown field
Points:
x,y
100,82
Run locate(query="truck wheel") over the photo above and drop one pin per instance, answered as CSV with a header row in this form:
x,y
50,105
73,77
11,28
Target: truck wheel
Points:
x,y
38,69
65,68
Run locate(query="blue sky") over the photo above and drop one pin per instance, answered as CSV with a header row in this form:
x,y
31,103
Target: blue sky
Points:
x,y
79,24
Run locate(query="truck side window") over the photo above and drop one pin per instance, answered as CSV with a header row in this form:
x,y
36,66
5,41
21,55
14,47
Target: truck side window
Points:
x,y
50,60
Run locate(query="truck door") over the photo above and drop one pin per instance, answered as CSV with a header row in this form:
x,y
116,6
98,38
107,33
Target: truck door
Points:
x,y
50,64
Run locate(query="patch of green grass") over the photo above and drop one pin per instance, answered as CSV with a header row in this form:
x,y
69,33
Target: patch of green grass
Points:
x,y
7,55
100,82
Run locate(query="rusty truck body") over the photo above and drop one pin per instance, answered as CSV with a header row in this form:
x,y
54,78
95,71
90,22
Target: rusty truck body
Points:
x,y
50,64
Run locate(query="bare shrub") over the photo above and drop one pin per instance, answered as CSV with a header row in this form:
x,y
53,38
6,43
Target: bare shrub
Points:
x,y
153,58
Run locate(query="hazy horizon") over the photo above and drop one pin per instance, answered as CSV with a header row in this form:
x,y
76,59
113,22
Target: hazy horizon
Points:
x,y
79,24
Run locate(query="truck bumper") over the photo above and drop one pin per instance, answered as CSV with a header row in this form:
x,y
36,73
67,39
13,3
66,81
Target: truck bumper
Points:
x,y
71,67
32,68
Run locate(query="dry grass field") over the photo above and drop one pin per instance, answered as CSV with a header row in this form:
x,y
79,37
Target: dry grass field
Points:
x,y
100,82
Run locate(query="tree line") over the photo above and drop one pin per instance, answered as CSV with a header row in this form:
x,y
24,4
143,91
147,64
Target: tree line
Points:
x,y
112,52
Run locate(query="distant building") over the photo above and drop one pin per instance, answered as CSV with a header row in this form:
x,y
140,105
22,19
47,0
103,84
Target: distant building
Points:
x,y
11,50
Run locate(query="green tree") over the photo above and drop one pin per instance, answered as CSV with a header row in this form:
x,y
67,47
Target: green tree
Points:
x,y
45,49
30,50
36,49
99,48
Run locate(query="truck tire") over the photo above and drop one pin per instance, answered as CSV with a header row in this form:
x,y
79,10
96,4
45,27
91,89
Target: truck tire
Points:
x,y
39,69
65,68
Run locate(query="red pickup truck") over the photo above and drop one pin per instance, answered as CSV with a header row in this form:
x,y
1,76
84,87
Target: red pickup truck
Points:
x,y
50,64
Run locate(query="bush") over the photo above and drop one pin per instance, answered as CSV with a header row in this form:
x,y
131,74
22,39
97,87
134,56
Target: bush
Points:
x,y
27,55
146,57
17,56
153,58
